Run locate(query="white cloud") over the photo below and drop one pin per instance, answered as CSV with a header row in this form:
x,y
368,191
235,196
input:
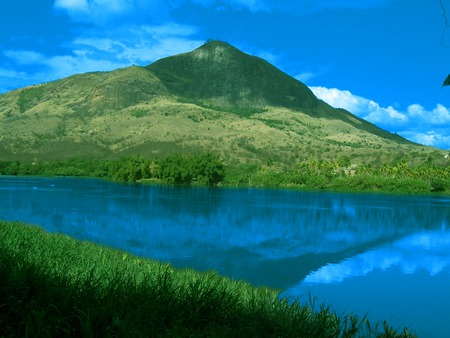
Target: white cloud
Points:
x,y
429,138
437,116
429,127
385,116
369,110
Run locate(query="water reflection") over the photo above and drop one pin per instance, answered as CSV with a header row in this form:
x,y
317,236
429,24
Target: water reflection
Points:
x,y
405,282
295,241
428,251
251,234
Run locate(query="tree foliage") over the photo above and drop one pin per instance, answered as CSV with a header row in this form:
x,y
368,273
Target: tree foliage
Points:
x,y
203,168
208,169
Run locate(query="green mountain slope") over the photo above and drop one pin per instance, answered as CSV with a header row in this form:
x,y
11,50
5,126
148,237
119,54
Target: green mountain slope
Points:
x,y
224,75
213,98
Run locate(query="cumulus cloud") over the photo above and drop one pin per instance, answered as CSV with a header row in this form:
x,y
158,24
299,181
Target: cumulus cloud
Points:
x,y
438,116
416,123
385,117
431,138
434,139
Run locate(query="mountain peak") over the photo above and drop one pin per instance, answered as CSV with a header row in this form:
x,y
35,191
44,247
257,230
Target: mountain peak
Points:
x,y
224,75
216,44
215,50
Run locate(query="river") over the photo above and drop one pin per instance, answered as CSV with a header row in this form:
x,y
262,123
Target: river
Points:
x,y
384,255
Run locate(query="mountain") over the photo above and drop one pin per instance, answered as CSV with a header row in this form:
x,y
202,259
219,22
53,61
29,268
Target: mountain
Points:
x,y
222,74
213,98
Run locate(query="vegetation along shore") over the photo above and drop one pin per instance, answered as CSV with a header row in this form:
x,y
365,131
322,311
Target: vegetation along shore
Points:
x,y
209,169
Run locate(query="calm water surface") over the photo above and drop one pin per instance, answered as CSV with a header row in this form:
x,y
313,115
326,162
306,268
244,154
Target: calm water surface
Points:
x,y
385,255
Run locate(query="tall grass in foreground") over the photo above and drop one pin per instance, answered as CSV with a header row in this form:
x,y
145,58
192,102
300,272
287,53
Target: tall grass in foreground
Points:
x,y
52,286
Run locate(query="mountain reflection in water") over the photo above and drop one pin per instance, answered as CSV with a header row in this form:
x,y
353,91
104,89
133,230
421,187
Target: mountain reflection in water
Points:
x,y
290,240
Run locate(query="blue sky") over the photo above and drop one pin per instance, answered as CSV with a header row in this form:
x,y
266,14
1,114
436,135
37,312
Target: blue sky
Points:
x,y
383,60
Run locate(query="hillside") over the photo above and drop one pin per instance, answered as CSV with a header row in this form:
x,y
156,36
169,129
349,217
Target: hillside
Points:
x,y
213,98
222,74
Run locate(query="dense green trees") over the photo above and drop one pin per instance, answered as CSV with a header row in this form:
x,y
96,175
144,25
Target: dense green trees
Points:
x,y
129,169
203,168
342,175
209,169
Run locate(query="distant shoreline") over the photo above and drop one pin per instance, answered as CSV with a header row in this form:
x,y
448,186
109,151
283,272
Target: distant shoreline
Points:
x,y
208,169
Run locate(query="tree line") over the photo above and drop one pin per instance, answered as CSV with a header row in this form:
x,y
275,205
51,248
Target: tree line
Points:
x,y
204,169
209,169
341,175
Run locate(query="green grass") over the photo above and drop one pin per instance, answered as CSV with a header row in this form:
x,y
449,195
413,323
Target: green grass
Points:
x,y
54,286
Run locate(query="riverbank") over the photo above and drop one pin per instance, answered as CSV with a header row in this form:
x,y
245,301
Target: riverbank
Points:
x,y
57,286
209,170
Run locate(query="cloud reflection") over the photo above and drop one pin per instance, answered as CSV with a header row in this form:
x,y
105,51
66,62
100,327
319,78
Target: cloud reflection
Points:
x,y
428,251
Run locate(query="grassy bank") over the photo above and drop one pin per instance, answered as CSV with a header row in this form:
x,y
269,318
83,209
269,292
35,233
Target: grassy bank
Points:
x,y
55,286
